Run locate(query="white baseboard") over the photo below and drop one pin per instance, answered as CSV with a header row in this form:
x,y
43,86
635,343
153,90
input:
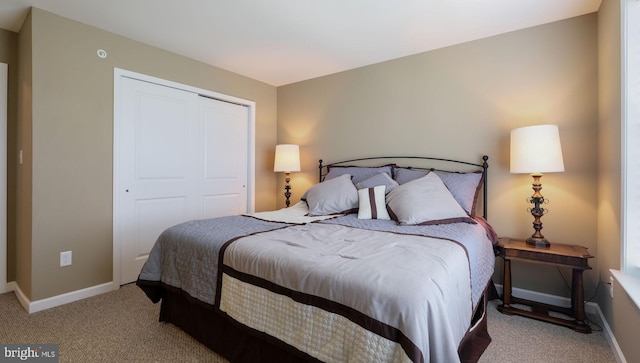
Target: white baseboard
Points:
x,y
590,307
10,286
613,343
43,304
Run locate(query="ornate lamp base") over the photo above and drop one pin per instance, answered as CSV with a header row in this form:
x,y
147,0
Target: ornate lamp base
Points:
x,y
537,239
287,189
538,242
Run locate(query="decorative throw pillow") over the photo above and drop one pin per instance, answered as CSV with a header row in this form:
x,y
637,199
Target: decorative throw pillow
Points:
x,y
334,196
372,204
425,201
378,179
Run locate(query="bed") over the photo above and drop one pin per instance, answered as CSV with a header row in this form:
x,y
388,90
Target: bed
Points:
x,y
382,260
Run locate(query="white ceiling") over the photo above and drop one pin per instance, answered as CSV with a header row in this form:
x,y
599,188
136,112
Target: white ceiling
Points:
x,y
285,41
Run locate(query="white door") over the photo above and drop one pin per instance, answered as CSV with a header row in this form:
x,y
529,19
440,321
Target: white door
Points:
x,y
225,165
173,152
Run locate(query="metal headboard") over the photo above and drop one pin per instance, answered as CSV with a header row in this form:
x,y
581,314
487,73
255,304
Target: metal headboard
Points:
x,y
324,169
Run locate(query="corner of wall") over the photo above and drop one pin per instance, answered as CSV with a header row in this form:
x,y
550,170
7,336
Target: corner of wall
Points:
x,y
23,171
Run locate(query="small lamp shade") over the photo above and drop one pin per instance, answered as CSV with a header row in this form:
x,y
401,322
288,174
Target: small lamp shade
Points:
x,y
536,150
287,158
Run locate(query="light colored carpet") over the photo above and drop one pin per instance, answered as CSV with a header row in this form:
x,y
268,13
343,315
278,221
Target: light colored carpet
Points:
x,y
119,326
122,326
524,340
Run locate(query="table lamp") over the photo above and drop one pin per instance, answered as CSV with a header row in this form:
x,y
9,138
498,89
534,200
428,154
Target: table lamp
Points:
x,y
536,150
287,160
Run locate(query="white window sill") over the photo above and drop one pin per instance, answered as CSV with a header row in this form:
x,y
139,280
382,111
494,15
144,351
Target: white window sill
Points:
x,y
630,284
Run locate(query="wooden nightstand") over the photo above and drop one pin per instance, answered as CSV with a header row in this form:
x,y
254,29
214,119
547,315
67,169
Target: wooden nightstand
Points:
x,y
572,256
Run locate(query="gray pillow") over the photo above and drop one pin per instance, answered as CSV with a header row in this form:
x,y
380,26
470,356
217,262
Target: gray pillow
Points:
x,y
358,173
334,196
378,179
425,201
463,186
403,175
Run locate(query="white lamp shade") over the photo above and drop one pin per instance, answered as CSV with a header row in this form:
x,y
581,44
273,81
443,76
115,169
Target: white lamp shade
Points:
x,y
536,150
287,158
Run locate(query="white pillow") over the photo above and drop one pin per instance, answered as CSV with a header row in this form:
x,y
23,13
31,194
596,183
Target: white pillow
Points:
x,y
372,204
334,196
425,200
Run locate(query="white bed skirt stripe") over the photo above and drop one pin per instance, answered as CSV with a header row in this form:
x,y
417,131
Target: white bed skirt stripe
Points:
x,y
323,335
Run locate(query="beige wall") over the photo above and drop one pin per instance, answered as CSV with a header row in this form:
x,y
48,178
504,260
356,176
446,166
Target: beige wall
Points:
x,y
9,55
621,313
72,149
461,102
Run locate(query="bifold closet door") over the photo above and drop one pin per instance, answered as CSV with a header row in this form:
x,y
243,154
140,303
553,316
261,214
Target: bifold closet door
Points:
x,y
226,130
180,157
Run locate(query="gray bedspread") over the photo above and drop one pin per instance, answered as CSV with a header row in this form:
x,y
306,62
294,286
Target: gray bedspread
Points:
x,y
468,235
185,256
416,287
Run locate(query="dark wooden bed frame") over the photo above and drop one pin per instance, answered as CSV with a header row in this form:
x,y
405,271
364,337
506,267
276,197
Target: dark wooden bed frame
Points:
x,y
238,343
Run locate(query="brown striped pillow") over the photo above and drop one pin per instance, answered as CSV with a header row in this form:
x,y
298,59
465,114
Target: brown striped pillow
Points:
x,y
372,203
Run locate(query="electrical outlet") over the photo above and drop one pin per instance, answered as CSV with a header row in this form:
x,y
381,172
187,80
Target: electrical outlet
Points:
x,y
611,286
65,258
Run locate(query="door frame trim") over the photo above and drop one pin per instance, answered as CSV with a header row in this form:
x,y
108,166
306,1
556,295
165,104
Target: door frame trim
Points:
x,y
118,74
4,107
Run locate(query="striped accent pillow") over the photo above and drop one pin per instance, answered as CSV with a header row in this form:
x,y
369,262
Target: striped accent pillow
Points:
x,y
372,203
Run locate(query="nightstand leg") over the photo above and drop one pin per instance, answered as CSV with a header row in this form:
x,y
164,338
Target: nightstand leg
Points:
x,y
577,293
506,284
